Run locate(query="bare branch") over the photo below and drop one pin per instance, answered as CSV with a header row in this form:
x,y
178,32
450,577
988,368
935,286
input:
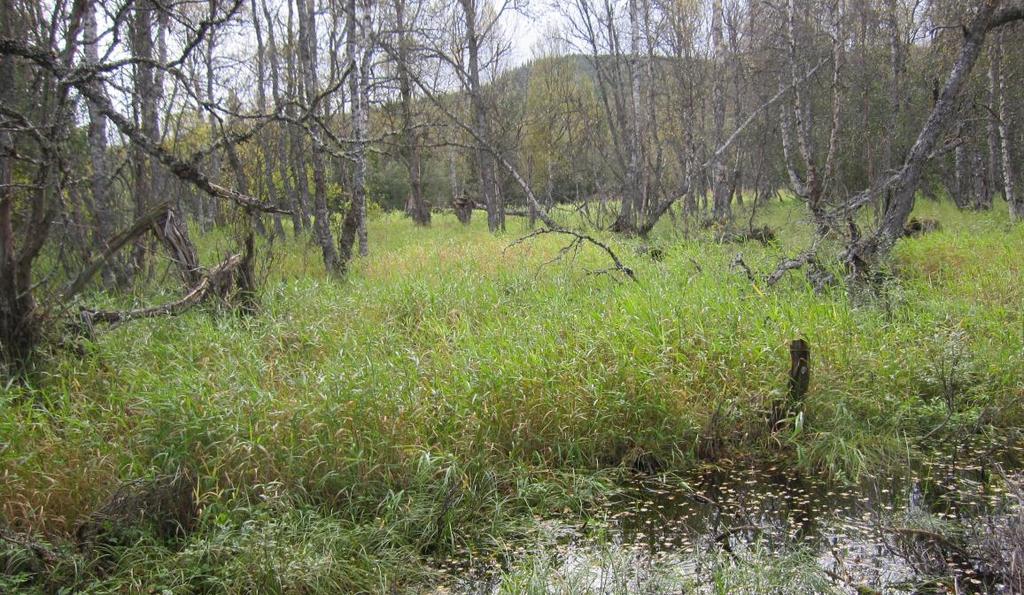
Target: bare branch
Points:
x,y
210,282
139,227
182,169
580,238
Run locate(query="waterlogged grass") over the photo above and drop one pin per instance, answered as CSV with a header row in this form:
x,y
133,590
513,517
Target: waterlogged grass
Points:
x,y
453,387
615,571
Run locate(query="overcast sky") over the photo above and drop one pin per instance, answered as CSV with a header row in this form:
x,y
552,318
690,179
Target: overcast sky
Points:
x,y
524,31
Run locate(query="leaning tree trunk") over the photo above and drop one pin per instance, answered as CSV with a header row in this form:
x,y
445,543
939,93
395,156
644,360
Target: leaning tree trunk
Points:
x,y
863,255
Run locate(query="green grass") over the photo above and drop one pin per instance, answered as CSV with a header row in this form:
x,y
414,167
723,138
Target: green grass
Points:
x,y
452,387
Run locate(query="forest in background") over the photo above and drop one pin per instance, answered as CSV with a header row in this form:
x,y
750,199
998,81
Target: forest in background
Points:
x,y
121,118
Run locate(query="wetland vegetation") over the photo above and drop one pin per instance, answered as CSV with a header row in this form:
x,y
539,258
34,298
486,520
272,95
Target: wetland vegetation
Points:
x,y
352,297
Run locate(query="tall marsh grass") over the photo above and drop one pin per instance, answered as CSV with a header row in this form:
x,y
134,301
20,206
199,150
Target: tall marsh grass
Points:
x,y
452,387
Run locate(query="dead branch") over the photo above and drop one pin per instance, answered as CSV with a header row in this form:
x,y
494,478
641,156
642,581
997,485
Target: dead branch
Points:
x,y
578,240
41,551
788,265
184,170
212,283
818,276
139,227
739,263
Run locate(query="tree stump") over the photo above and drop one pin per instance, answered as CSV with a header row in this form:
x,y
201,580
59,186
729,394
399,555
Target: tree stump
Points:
x,y
463,208
799,370
799,382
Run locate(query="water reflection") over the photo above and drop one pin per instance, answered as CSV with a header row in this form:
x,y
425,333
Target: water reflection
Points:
x,y
887,534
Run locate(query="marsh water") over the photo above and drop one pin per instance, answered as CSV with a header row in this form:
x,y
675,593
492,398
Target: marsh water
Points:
x,y
897,533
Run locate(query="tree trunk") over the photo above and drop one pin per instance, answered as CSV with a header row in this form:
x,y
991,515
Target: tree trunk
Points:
x,y
632,197
993,179
735,65
19,327
961,195
215,209
280,140
462,207
811,186
261,105
20,319
141,29
307,60
296,146
980,176
720,202
361,118
242,181
485,161
172,232
896,71
417,207
354,223
104,212
1011,192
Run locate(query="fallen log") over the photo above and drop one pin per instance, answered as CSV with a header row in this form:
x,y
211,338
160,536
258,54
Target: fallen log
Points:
x,y
215,282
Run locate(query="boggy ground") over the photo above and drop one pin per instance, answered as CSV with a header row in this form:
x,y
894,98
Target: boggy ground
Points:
x,y
952,524
454,389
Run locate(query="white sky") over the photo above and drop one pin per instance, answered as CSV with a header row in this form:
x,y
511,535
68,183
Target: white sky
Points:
x,y
525,30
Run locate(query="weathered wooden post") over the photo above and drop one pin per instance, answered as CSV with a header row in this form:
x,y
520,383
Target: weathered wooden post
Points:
x,y
799,370
799,381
